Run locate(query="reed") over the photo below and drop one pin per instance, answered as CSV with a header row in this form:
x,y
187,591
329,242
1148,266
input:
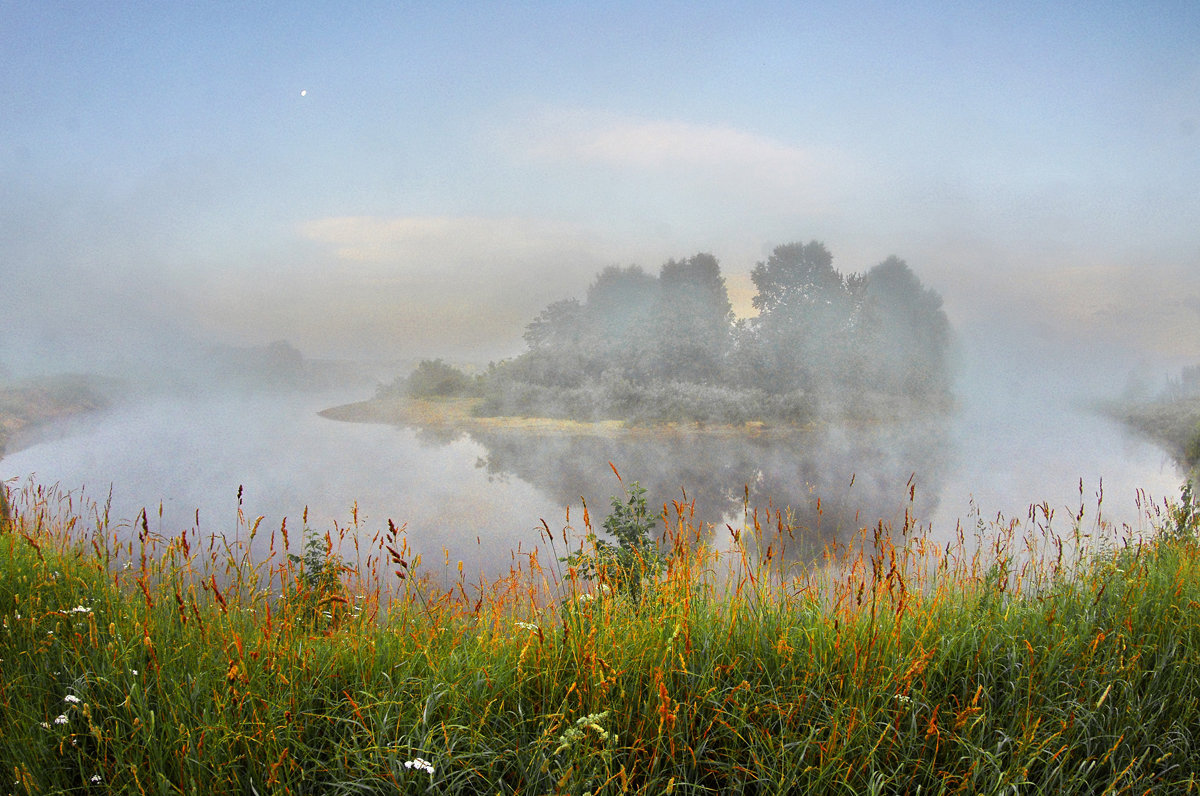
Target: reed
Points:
x,y
1015,658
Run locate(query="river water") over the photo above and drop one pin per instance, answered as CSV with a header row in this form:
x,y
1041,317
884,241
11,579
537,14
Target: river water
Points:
x,y
1017,439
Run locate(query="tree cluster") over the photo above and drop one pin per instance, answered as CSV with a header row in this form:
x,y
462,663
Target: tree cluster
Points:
x,y
668,347
432,378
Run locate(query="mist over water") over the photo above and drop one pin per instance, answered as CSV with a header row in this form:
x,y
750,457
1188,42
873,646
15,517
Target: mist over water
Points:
x,y
1023,433
1028,432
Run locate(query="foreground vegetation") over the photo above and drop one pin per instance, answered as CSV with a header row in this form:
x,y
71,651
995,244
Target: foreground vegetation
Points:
x,y
1033,658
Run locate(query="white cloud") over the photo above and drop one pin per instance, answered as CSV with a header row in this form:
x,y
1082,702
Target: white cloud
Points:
x,y
704,165
440,240
666,144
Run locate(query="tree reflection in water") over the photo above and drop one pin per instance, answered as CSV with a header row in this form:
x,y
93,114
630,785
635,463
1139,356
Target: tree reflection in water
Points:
x,y
823,484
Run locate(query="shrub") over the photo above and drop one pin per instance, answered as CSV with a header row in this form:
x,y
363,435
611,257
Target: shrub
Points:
x,y
319,583
433,378
623,566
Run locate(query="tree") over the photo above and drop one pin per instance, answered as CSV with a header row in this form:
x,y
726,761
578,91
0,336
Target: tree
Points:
x,y
557,328
557,356
433,378
5,512
805,317
693,322
794,276
619,308
905,332
642,346
634,558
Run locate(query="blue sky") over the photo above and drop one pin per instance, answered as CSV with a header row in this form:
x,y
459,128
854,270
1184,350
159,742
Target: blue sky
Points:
x,y
451,168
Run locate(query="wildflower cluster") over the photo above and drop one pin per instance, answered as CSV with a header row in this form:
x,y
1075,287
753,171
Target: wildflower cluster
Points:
x,y
420,764
577,732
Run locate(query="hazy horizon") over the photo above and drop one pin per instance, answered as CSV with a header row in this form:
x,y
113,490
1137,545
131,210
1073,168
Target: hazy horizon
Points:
x,y
409,181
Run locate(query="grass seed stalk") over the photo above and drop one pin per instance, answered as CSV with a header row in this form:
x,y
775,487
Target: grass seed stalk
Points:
x,y
134,660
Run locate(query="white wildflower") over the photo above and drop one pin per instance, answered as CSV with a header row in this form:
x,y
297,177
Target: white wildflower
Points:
x,y
62,719
420,764
96,779
71,699
527,626
79,609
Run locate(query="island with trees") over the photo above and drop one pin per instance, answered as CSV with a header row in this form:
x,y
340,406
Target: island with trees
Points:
x,y
645,349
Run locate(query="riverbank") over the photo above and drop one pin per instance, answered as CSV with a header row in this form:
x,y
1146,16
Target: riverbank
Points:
x,y
27,406
1173,423
456,414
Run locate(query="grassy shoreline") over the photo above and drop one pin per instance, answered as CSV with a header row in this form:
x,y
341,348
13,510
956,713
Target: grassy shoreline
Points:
x,y
1173,423
137,662
457,414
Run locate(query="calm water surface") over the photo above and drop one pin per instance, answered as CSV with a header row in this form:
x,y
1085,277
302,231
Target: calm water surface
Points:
x,y
479,498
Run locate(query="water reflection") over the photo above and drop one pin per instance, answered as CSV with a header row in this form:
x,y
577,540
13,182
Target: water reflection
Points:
x,y
828,482
479,496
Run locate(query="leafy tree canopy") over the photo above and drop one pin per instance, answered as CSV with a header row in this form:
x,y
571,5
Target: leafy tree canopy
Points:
x,y
819,335
796,275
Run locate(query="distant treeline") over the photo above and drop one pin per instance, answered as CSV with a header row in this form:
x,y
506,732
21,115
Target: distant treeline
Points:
x,y
279,366
668,347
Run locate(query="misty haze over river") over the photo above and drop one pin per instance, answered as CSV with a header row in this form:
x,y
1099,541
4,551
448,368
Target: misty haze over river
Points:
x,y
1023,434
399,181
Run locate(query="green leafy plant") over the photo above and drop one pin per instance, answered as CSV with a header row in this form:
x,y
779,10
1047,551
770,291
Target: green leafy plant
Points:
x,y
634,560
320,592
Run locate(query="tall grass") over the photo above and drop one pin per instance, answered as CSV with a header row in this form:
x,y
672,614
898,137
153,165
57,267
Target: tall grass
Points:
x,y
1024,660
